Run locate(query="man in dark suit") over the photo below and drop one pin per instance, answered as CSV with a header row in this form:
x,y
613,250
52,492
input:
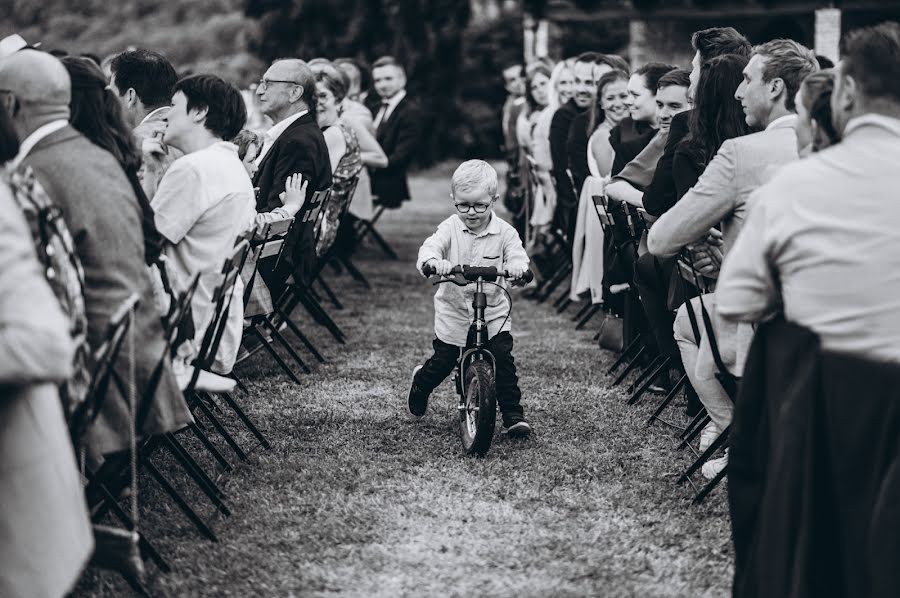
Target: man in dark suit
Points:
x,y
398,127
102,213
287,95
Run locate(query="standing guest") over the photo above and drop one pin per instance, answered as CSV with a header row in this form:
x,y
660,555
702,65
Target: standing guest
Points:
x,y
205,200
294,145
767,92
398,127
660,194
815,123
102,213
45,532
143,80
97,114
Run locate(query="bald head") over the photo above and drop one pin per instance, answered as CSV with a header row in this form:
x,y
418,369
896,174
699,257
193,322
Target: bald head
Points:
x,y
287,87
36,78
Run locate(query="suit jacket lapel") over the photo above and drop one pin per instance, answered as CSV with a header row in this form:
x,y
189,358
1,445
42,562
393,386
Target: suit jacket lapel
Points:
x,y
390,117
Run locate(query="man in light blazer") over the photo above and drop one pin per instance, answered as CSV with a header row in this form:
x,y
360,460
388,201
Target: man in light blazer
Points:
x,y
771,80
398,129
102,213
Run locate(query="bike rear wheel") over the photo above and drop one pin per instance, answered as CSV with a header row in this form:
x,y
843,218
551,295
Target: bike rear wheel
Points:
x,y
478,412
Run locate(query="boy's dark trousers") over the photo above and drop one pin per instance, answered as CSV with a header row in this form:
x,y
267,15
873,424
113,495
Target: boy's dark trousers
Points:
x,y
441,364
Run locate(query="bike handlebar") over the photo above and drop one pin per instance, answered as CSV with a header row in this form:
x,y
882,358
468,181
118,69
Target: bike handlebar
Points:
x,y
473,273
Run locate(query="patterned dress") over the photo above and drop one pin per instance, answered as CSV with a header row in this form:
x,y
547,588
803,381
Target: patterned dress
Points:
x,y
343,183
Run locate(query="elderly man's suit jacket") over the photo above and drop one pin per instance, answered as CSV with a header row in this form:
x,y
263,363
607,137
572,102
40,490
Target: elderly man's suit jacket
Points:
x,y
741,166
45,533
102,213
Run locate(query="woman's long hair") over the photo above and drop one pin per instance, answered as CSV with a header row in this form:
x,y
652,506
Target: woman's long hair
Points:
x,y
539,67
597,114
97,114
717,115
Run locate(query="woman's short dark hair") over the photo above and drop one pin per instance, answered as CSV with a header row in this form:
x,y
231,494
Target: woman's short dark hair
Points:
x,y
815,93
226,112
97,113
9,140
717,115
597,114
243,140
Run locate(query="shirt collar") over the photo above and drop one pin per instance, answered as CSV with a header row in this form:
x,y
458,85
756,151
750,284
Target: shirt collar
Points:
x,y
277,129
32,140
394,100
782,120
876,120
493,227
152,113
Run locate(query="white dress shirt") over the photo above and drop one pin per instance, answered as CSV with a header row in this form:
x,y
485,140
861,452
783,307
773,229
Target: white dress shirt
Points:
x,y
274,133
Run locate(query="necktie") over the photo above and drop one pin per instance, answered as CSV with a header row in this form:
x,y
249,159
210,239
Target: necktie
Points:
x,y
382,113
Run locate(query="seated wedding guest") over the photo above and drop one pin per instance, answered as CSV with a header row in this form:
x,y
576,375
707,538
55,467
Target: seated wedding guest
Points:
x,y
671,99
97,114
143,81
636,130
560,92
45,532
660,194
398,126
294,145
102,213
514,81
248,146
815,126
609,109
204,201
821,243
537,98
771,80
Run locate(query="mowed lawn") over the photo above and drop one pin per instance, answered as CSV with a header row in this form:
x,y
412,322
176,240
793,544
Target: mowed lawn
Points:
x,y
358,499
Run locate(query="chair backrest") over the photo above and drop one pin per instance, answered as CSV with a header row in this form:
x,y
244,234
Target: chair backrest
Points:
x,y
103,371
601,207
221,299
314,211
179,309
274,241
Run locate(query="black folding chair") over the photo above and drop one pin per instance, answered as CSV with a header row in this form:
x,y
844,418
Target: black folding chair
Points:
x,y
365,228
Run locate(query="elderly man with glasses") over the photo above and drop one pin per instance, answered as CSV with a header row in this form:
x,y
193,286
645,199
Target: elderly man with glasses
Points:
x,y
287,95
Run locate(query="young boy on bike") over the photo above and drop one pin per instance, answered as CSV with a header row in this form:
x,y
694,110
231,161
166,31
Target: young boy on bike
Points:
x,y
475,236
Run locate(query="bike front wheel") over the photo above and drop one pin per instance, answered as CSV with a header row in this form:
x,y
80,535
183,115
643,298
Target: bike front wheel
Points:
x,y
478,412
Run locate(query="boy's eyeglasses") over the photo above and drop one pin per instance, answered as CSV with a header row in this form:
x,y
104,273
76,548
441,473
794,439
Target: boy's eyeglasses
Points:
x,y
480,208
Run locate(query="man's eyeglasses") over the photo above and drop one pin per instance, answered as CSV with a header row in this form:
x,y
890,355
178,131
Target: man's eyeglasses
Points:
x,y
264,83
480,208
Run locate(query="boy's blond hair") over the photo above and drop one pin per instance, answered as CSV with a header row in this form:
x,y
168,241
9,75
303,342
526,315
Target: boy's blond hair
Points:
x,y
473,175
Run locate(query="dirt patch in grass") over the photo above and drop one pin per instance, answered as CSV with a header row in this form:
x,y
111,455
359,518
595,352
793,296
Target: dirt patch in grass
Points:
x,y
357,499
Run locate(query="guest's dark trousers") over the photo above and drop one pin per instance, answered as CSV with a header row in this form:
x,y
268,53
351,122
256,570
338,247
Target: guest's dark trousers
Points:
x,y
441,364
651,277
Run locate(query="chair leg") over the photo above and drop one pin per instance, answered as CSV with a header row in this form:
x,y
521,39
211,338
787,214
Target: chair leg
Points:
x,y
321,316
555,282
303,339
354,271
593,311
179,501
193,469
644,373
329,293
703,458
229,440
640,390
583,310
665,402
631,365
710,486
245,419
562,306
283,342
211,448
698,423
623,356
240,384
271,351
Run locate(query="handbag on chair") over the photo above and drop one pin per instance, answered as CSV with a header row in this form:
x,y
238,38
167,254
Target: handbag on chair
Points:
x,y
612,333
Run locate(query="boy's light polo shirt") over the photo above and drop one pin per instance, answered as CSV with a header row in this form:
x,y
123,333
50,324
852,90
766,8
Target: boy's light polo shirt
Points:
x,y
497,245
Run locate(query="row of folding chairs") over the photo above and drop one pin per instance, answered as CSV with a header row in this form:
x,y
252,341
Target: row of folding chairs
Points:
x,y
222,433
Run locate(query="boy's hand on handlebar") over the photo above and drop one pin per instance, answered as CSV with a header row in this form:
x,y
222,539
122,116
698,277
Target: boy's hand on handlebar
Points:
x,y
516,272
441,267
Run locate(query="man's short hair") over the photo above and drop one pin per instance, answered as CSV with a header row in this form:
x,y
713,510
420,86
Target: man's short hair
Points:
x,y
589,57
789,61
615,62
675,77
225,109
652,72
149,73
871,56
718,41
474,175
388,61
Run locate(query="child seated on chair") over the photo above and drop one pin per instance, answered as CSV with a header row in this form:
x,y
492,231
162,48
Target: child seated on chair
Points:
x,y
474,236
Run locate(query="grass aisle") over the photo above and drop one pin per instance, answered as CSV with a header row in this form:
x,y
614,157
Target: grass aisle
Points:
x,y
356,499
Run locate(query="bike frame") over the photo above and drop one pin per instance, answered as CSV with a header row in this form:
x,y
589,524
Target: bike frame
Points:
x,y
480,336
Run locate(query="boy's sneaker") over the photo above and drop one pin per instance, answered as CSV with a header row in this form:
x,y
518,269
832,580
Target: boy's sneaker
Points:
x,y
517,427
417,400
